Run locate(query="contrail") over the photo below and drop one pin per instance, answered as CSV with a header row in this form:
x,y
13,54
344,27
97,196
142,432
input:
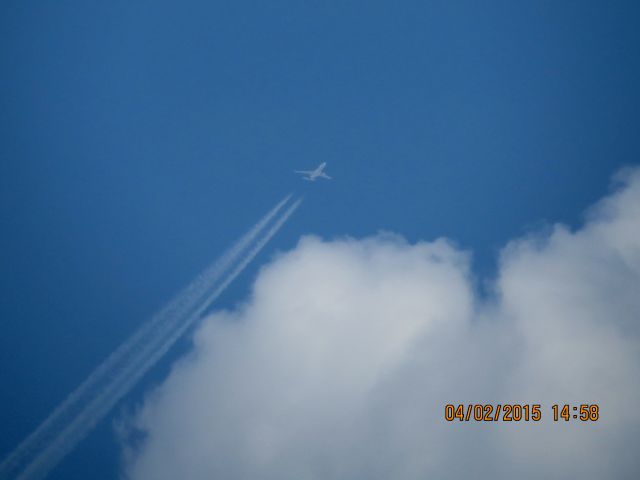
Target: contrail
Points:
x,y
72,420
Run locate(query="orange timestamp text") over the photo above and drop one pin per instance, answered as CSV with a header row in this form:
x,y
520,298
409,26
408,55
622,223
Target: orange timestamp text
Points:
x,y
517,412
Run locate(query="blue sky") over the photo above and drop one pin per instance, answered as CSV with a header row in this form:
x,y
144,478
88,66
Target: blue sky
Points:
x,y
139,139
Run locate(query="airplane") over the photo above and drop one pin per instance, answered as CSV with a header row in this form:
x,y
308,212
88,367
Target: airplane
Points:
x,y
311,175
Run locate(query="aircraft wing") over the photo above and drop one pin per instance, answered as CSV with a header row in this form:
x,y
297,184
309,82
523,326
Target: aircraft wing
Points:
x,y
324,175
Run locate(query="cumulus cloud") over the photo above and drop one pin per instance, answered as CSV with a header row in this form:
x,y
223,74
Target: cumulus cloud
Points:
x,y
340,363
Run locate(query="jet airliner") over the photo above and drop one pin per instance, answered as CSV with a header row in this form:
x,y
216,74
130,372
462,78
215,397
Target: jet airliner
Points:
x,y
311,175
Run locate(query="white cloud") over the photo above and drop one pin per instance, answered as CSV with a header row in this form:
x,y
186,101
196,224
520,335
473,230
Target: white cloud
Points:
x,y
341,362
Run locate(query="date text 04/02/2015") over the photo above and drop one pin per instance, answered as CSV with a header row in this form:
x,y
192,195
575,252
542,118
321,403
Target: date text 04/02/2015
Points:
x,y
516,412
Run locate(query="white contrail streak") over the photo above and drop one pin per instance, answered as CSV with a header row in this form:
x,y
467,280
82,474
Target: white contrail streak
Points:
x,y
72,420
